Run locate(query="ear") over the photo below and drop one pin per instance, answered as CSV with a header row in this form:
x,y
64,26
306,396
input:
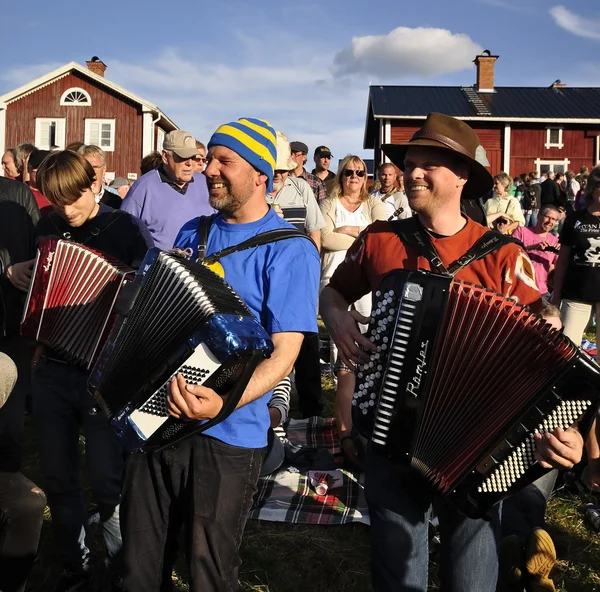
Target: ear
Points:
x,y
261,179
164,157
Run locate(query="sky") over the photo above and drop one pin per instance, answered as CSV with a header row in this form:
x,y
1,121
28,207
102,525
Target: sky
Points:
x,y
305,67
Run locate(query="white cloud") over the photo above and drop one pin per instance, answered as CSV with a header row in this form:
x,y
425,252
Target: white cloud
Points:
x,y
506,5
15,77
574,23
407,52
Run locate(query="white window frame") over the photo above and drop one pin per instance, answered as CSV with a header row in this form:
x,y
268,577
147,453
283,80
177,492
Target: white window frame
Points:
x,y
564,163
160,138
558,144
60,132
76,89
87,135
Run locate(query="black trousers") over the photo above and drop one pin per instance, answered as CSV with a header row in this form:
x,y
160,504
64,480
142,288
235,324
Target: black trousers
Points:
x,y
21,516
205,486
308,377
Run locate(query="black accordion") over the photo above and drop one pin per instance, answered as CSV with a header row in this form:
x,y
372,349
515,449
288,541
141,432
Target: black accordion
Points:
x,y
177,316
460,382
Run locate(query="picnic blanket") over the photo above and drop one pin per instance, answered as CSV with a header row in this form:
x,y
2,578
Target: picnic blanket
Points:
x,y
288,496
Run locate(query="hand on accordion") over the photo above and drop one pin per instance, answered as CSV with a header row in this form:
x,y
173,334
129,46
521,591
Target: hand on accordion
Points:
x,y
19,274
345,332
561,449
192,401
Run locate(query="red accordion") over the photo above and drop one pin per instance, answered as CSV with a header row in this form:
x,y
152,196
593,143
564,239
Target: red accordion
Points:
x,y
461,380
71,299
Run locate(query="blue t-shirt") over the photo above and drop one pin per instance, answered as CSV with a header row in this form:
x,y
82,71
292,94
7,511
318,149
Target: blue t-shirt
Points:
x,y
163,209
279,282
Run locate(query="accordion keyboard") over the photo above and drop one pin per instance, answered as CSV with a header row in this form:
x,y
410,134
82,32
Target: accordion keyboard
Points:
x,y
196,370
523,458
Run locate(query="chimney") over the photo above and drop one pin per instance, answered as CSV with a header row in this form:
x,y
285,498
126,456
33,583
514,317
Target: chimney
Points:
x,y
485,71
558,84
97,66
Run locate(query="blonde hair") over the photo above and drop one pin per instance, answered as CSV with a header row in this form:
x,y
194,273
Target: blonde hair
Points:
x,y
351,159
505,180
64,176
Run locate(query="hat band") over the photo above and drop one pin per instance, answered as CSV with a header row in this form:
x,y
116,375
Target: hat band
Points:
x,y
425,134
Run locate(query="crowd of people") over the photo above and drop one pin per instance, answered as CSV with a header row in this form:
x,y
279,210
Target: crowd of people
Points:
x,y
248,180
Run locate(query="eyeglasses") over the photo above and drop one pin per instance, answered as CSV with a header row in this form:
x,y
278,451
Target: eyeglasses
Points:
x,y
349,172
201,158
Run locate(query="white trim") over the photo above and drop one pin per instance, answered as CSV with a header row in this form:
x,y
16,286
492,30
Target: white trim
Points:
x,y
66,70
87,133
2,130
76,89
160,138
596,148
486,90
382,156
489,118
147,133
552,161
558,144
59,138
387,137
506,150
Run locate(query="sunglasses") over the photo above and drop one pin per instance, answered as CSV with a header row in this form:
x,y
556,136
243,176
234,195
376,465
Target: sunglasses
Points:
x,y
350,172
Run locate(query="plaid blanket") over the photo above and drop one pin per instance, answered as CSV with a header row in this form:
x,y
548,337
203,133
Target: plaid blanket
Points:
x,y
287,496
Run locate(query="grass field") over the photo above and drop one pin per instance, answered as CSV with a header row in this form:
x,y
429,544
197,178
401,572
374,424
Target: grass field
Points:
x,y
288,558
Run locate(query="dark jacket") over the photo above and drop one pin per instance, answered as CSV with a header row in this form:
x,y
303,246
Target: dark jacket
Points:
x,y
550,193
19,215
112,200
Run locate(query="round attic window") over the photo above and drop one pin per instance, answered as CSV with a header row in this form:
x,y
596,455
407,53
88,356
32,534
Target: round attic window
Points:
x,y
76,97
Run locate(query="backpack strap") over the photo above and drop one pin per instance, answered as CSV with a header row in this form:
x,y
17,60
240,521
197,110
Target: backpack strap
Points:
x,y
204,224
491,241
263,238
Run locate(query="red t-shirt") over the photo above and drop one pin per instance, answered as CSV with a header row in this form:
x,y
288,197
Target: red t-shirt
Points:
x,y
378,250
42,202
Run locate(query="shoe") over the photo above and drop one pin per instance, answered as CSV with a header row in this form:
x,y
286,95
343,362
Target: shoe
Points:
x,y
540,558
510,565
73,582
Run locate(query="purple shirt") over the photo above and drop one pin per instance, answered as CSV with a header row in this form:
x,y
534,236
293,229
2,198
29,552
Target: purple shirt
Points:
x,y
165,210
542,260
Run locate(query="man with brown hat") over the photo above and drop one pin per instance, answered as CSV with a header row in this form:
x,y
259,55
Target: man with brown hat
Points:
x,y
171,195
440,168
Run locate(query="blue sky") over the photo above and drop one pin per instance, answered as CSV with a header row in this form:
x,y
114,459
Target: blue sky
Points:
x,y
306,67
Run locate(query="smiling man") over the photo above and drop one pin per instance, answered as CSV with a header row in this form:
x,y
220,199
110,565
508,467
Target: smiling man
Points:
x,y
171,195
440,169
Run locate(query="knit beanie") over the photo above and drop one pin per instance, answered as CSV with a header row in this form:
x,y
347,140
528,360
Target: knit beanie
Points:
x,y
254,140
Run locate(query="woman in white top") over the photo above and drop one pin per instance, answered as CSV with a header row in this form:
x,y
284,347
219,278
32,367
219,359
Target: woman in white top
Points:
x,y
503,204
347,211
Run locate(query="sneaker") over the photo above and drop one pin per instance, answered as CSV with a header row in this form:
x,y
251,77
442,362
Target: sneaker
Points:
x,y
540,558
73,582
510,565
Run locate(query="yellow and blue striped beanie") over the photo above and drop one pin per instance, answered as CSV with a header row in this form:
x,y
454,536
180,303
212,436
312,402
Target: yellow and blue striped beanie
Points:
x,y
254,140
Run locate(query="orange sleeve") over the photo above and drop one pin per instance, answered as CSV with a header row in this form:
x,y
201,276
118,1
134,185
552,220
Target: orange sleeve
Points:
x,y
350,279
518,278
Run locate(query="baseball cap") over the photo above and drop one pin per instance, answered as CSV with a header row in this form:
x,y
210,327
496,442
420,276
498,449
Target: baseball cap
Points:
x,y
323,151
119,182
182,143
299,147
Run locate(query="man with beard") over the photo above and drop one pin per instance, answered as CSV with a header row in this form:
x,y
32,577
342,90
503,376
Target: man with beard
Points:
x,y
541,245
440,168
394,199
208,480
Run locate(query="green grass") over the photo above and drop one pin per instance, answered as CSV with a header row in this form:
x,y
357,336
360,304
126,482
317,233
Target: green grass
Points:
x,y
287,558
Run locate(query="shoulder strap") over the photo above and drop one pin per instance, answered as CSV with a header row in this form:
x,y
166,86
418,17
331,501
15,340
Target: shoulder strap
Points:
x,y
411,231
263,238
204,224
65,230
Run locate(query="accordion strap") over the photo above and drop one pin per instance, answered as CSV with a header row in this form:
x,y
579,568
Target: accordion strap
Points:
x,y
414,234
66,231
263,238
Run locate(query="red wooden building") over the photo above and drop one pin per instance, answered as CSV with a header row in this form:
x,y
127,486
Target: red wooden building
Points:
x,y
522,129
74,103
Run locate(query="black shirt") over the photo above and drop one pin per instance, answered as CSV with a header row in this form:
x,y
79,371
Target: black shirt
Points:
x,y
581,232
110,231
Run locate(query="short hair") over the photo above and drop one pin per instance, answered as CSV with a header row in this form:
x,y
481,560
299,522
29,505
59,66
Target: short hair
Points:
x,y
549,207
64,176
534,175
548,310
526,179
387,165
559,174
351,159
200,145
75,146
505,179
570,175
21,154
150,162
37,157
583,170
91,150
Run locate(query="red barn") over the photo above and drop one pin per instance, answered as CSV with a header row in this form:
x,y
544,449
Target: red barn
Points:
x,y
522,129
74,103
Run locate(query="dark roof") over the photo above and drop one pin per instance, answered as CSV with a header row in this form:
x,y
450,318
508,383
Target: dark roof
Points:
x,y
505,102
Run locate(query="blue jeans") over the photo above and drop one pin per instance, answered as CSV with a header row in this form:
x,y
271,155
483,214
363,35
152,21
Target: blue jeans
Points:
x,y
531,217
400,507
61,406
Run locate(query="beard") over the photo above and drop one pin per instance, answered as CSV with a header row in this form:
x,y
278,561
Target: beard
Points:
x,y
229,200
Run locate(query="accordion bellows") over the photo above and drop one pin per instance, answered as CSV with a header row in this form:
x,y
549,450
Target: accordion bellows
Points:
x,y
461,380
71,297
177,316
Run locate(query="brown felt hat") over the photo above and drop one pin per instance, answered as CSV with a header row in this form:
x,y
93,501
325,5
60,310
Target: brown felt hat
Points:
x,y
450,134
